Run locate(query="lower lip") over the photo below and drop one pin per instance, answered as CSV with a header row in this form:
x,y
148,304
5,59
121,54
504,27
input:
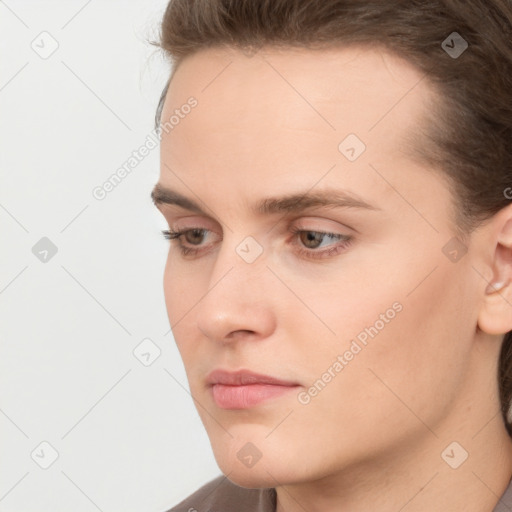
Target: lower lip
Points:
x,y
243,397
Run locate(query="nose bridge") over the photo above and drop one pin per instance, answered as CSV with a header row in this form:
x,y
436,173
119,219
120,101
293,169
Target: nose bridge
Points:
x,y
236,298
240,260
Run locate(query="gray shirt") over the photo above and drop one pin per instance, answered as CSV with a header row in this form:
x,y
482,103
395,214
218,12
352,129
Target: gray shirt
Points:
x,y
222,495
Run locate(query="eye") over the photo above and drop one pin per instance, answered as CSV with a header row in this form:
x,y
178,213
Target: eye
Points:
x,y
311,239
176,235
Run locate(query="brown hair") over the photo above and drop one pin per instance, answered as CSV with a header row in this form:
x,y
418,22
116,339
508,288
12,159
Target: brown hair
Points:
x,y
469,132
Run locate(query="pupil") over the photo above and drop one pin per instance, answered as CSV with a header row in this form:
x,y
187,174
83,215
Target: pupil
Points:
x,y
196,233
313,237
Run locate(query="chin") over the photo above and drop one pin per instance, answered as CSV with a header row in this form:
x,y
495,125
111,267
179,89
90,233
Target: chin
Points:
x,y
267,471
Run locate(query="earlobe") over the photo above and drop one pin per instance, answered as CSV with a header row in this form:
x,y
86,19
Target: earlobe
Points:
x,y
495,315
495,287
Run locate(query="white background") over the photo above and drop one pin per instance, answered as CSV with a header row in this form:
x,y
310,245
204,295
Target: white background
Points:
x,y
128,436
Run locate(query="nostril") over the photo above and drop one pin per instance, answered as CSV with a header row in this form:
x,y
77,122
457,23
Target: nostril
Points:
x,y
234,333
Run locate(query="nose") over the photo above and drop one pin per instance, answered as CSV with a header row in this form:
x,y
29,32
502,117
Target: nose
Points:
x,y
237,304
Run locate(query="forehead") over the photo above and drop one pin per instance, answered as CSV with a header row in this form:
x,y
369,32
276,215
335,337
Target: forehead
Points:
x,y
358,79
276,120
283,92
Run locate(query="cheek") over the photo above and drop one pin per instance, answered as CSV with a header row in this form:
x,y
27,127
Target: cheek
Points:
x,y
415,360
183,286
182,292
420,358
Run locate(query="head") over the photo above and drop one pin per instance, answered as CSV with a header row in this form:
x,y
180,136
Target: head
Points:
x,y
378,309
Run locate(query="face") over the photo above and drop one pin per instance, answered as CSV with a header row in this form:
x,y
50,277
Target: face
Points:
x,y
352,302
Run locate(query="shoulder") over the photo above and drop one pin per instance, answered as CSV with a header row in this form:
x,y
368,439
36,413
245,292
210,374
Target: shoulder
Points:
x,y
505,502
222,495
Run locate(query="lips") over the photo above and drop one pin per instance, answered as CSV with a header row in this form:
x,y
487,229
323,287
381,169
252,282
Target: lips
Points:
x,y
244,389
243,378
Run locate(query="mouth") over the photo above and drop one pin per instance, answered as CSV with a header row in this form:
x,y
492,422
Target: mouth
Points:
x,y
244,389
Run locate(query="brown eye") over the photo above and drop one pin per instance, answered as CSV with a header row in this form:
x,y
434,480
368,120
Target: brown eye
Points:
x,y
194,236
308,242
311,239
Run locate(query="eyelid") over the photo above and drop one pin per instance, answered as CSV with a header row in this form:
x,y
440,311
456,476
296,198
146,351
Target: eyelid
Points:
x,y
298,223
191,222
336,225
194,220
343,242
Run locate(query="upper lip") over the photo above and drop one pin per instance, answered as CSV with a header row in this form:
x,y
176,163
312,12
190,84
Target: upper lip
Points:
x,y
244,377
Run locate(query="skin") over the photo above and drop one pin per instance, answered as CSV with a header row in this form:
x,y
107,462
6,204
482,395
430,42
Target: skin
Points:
x,y
373,438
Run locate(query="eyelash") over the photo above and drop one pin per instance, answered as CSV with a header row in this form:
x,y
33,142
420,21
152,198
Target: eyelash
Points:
x,y
346,240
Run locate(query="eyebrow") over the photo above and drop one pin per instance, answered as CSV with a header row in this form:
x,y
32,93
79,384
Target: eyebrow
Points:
x,y
291,203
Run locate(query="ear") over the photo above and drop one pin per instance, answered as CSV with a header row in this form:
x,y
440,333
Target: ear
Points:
x,y
495,316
